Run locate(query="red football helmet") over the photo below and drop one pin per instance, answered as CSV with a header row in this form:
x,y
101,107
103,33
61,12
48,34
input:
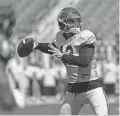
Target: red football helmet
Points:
x,y
69,20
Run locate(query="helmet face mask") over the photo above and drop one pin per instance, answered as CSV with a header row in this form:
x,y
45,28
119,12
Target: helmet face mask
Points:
x,y
64,26
69,20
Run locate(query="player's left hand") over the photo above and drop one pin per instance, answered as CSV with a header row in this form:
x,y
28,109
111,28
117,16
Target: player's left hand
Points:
x,y
57,53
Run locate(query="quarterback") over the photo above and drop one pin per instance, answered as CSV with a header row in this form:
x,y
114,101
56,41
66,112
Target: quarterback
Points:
x,y
76,48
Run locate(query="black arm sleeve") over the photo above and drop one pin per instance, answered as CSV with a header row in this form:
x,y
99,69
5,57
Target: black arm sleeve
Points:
x,y
84,58
43,47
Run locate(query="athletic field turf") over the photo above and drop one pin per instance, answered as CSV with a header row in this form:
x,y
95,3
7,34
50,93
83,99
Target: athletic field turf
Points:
x,y
53,109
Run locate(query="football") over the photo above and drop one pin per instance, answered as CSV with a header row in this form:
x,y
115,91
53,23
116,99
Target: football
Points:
x,y
25,47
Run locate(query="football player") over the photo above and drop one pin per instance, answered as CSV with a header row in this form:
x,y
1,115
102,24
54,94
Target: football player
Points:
x,y
76,48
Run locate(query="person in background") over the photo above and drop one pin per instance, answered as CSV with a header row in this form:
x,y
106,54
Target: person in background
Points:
x,y
7,101
34,74
7,22
110,77
17,81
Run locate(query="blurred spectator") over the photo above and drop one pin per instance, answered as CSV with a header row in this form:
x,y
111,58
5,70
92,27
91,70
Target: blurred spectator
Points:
x,y
15,71
60,77
49,82
6,48
34,73
7,101
116,47
60,87
110,55
110,77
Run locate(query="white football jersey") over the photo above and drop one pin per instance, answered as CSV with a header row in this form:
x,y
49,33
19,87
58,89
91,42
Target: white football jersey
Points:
x,y
72,45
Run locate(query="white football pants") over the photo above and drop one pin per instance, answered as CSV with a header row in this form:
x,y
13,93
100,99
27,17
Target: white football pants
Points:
x,y
74,102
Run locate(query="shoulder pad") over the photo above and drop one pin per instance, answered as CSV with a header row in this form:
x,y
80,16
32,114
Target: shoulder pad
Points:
x,y
85,37
86,33
88,37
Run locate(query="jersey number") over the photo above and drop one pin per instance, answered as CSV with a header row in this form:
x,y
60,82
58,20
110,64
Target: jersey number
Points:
x,y
68,49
